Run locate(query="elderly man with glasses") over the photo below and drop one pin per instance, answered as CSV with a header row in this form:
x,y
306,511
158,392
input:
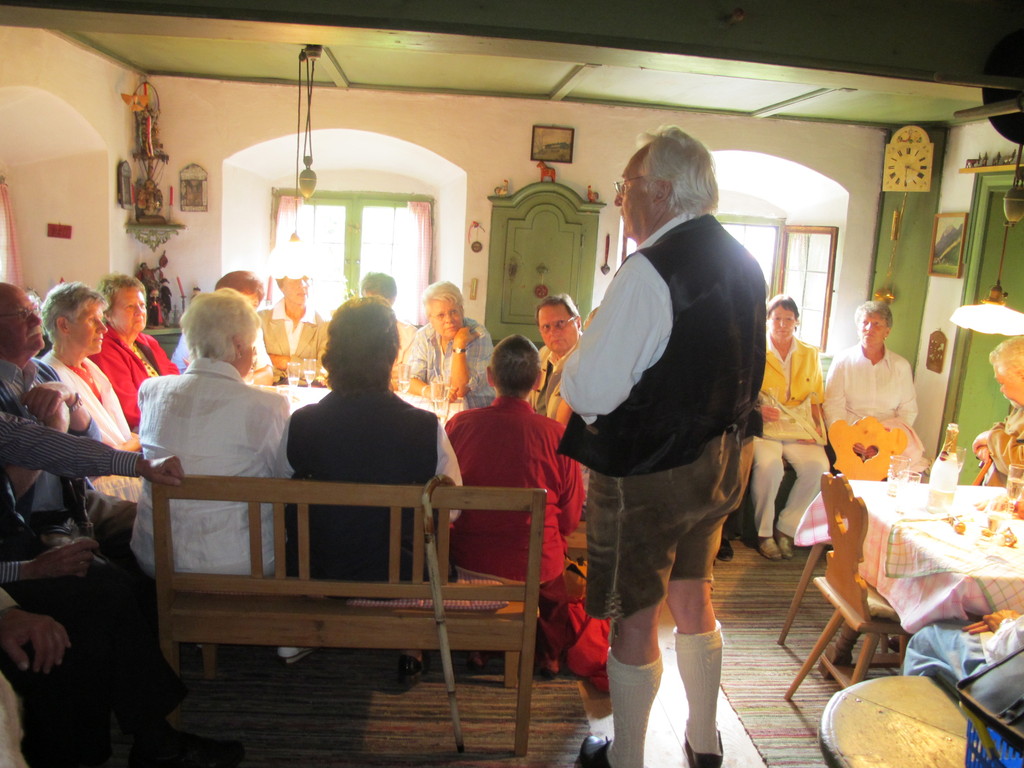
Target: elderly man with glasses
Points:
x,y
559,324
664,392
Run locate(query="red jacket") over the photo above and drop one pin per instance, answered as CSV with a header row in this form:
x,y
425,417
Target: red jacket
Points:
x,y
126,372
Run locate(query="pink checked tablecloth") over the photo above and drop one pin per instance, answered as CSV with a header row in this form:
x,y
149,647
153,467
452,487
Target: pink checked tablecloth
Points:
x,y
918,562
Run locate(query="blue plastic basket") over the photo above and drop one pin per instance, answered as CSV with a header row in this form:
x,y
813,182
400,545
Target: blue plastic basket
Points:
x,y
978,757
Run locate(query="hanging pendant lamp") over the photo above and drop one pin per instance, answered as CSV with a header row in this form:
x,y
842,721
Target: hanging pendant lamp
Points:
x,y
992,315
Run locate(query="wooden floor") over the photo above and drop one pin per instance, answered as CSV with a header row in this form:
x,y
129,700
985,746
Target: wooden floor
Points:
x,y
664,747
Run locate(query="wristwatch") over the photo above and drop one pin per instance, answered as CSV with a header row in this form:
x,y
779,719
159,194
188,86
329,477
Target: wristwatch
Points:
x,y
77,404
458,350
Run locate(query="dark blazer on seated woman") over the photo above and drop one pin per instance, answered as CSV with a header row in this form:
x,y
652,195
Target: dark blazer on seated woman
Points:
x,y
369,437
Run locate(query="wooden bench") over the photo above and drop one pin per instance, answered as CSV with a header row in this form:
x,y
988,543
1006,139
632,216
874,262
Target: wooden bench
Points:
x,y
275,610
910,722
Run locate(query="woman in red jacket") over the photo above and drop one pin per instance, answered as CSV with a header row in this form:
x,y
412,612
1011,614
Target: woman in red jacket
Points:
x,y
129,356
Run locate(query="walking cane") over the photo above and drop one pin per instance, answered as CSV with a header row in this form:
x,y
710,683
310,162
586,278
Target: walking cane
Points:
x,y
435,592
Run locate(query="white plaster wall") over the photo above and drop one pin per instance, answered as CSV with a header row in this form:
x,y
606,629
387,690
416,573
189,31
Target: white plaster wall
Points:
x,y
207,122
945,294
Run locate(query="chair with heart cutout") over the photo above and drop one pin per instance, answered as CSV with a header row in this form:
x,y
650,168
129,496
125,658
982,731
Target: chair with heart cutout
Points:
x,y
881,442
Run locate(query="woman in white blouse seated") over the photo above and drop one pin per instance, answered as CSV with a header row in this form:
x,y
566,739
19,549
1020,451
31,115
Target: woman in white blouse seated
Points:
x,y
870,380
73,321
217,425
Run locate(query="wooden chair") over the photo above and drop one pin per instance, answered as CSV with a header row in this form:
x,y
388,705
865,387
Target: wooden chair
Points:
x,y
857,604
254,609
868,432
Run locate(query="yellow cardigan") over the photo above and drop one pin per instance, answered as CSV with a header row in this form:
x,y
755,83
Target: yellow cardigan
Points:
x,y
805,371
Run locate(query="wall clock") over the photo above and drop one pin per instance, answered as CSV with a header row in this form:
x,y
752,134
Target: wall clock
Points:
x,y
908,161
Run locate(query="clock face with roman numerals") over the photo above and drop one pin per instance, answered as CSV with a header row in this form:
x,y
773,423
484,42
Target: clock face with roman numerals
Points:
x,y
908,162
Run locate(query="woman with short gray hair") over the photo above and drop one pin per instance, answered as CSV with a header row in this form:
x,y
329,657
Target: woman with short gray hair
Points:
x,y
869,379
73,320
1004,443
217,425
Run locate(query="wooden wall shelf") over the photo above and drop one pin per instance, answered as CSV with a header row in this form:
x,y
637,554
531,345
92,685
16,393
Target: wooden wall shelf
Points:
x,y
989,169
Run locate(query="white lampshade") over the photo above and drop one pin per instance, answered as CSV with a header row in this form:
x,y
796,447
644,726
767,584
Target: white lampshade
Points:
x,y
989,318
293,259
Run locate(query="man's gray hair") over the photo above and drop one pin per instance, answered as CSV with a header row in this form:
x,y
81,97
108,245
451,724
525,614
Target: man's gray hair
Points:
x,y
443,291
213,320
1009,355
678,158
879,308
67,300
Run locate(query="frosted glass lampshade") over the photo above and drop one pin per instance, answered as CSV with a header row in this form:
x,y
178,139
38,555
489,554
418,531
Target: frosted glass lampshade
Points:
x,y
989,318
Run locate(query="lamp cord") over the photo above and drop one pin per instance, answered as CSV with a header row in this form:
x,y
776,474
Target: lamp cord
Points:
x,y
308,142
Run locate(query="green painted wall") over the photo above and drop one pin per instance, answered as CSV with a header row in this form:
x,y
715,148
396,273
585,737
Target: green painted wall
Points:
x,y
910,267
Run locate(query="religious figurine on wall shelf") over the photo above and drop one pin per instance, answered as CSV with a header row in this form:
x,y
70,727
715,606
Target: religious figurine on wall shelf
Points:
x,y
592,195
502,191
149,201
547,173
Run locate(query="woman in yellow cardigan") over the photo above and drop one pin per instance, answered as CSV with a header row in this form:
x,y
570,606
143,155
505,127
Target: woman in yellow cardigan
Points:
x,y
794,431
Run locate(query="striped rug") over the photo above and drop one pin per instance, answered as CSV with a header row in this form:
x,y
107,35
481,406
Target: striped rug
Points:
x,y
345,708
751,598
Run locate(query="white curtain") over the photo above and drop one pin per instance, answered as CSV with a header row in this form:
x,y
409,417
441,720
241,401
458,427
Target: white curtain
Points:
x,y
10,262
284,226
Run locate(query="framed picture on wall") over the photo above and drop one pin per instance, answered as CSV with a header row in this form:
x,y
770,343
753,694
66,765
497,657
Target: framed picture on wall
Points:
x,y
552,144
947,254
192,179
124,184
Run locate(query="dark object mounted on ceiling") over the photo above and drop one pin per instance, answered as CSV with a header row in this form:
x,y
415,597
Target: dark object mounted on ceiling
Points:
x,y
1007,60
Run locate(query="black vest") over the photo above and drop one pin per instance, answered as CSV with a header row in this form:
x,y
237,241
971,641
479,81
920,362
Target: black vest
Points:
x,y
365,438
706,382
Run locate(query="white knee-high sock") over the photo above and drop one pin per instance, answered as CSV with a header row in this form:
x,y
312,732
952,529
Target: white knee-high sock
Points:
x,y
699,658
632,692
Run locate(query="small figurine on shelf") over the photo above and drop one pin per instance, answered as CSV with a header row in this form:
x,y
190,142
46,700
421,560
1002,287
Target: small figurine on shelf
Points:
x,y
547,173
166,302
154,315
502,191
592,196
149,201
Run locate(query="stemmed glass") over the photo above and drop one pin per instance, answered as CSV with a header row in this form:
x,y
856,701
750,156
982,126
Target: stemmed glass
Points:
x,y
292,371
309,368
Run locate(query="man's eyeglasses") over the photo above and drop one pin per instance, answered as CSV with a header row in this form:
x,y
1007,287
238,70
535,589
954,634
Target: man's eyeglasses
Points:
x,y
23,314
620,186
555,326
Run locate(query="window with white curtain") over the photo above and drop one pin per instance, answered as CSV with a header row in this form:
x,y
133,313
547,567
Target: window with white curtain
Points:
x,y
10,264
356,233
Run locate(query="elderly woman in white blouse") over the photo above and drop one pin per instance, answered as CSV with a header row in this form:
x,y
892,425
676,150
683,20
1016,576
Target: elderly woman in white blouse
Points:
x,y
217,425
73,321
870,380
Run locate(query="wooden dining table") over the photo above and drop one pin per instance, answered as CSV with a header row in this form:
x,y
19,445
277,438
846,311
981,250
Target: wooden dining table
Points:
x,y
921,565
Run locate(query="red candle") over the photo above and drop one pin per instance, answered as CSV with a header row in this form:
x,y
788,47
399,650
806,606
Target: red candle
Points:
x,y
172,197
181,288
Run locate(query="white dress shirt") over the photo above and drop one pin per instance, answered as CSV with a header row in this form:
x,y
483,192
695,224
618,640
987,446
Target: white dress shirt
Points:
x,y
856,388
627,336
216,425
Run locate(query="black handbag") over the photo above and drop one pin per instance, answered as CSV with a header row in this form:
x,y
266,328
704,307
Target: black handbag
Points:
x,y
995,694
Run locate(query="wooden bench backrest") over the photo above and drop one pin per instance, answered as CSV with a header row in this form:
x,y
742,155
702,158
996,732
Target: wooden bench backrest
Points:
x,y
304,493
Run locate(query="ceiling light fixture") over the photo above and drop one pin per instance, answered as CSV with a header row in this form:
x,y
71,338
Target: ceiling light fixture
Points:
x,y
992,315
305,181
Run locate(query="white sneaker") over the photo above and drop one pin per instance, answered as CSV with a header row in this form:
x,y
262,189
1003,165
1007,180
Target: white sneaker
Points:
x,y
290,654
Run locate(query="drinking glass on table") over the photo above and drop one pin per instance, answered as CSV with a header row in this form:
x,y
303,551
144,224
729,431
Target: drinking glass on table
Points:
x,y
898,467
292,371
910,498
309,369
1014,485
404,377
439,396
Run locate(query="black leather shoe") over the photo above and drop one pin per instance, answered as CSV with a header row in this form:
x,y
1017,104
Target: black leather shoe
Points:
x,y
725,553
411,669
701,759
594,752
194,752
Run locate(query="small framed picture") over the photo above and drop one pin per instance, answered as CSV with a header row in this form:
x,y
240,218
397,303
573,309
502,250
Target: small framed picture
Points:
x,y
947,254
192,180
552,144
124,184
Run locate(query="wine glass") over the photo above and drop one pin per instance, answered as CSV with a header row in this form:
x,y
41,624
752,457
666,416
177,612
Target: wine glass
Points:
x,y
292,371
1014,485
309,369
